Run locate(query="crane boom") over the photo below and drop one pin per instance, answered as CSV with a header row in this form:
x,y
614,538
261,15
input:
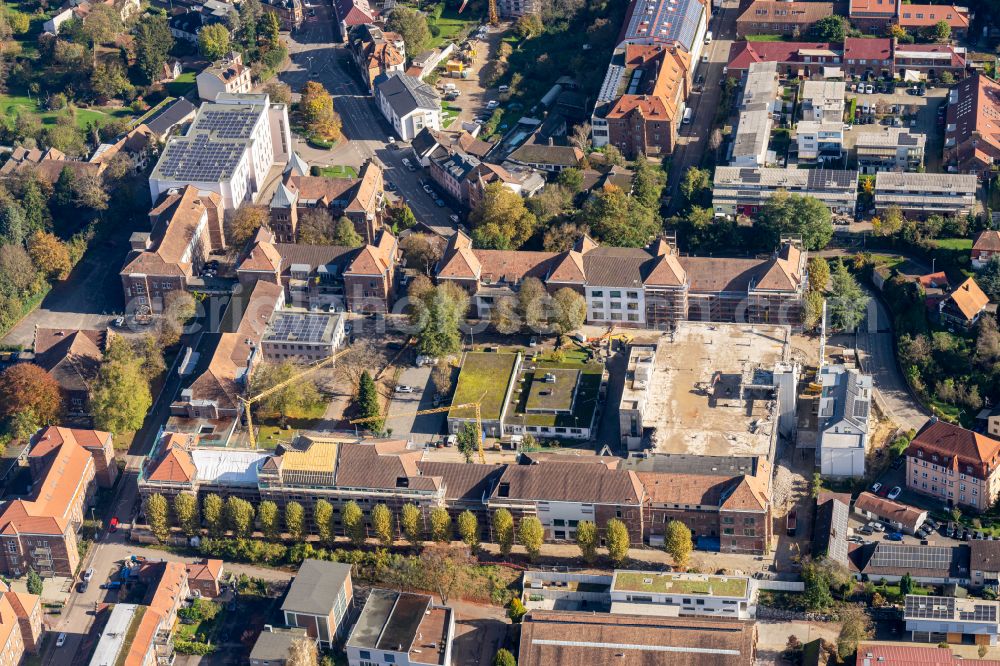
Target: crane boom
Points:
x,y
438,410
315,367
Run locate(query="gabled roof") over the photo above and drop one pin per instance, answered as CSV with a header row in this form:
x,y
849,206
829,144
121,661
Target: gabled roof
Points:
x,y
569,482
969,299
667,272
316,587
405,94
296,165
207,570
865,48
744,54
374,259
284,197
262,257
987,241
72,357
175,464
568,268
956,447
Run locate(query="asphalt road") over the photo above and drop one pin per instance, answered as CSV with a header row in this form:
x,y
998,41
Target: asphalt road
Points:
x,y
692,140
316,55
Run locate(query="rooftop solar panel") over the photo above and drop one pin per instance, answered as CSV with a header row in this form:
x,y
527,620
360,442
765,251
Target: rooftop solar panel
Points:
x,y
911,557
287,327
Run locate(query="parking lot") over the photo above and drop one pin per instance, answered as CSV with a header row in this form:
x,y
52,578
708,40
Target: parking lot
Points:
x,y
472,96
922,110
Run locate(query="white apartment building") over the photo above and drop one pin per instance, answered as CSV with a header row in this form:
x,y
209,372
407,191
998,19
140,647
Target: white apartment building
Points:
x,y
409,105
229,149
820,140
605,304
672,594
742,191
926,193
823,101
890,149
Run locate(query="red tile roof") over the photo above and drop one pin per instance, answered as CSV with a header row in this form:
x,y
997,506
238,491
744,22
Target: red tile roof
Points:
x,y
865,48
956,446
924,16
744,54
988,241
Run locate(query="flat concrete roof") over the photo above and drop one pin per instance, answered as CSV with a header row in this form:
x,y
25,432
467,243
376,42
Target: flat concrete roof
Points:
x,y
687,414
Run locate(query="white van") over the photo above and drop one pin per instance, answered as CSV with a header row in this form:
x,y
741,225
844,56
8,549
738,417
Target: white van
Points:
x,y
687,116
708,37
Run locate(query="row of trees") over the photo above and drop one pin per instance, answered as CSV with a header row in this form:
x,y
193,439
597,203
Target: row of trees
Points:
x,y
240,518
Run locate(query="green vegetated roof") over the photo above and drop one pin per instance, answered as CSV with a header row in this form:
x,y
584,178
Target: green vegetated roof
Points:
x,y
666,583
587,395
483,373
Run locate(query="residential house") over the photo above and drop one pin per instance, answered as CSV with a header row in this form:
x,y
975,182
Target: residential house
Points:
x,y
871,56
923,194
204,577
350,13
820,141
793,59
895,654
48,165
376,53
518,179
39,531
680,22
971,142
274,644
561,638
934,619
926,565
515,8
401,628
651,287
426,62
211,401
172,69
229,149
289,12
320,600
954,465
52,25
429,143
228,75
963,306
899,516
549,158
11,639
844,413
186,26
187,225
984,563
72,358
138,145
641,102
986,247
744,191
408,104
771,17
96,442
760,99
356,279
361,200
919,18
28,611
141,634
823,101
724,501
872,15
561,494
890,149
930,60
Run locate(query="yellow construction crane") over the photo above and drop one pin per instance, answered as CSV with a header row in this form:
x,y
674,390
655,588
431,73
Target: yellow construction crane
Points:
x,y
248,402
494,17
437,410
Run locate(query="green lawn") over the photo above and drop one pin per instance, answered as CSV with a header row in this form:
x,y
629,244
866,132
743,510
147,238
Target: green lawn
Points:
x,y
11,105
764,38
449,113
338,171
451,25
182,84
954,243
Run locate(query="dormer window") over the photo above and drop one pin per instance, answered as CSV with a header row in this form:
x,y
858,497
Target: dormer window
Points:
x,y
504,490
920,453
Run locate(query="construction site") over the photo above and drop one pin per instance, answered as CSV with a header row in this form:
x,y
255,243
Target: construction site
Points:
x,y
721,390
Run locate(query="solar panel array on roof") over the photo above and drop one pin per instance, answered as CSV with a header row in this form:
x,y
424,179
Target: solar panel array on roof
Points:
x,y
199,159
913,557
664,21
231,122
979,613
929,608
301,328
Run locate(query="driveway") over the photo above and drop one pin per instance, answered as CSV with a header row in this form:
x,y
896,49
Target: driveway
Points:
x,y
923,108
423,428
315,54
877,356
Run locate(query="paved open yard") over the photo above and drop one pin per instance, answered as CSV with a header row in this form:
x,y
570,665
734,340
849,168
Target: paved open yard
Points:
x,y
923,108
